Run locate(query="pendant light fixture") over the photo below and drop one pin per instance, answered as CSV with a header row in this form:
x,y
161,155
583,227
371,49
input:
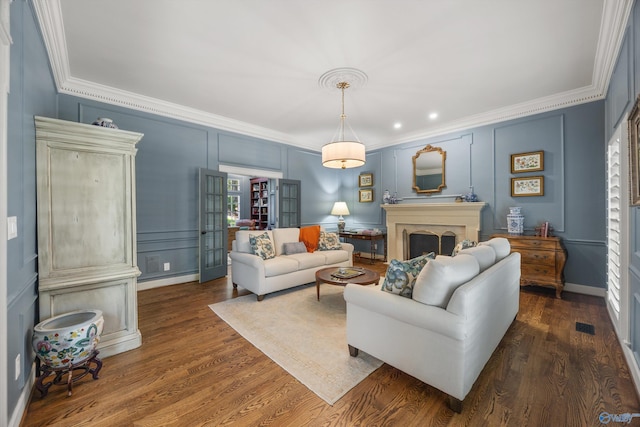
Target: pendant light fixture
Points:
x,y
342,152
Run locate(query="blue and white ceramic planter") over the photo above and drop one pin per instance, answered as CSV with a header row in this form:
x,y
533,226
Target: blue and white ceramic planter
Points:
x,y
67,339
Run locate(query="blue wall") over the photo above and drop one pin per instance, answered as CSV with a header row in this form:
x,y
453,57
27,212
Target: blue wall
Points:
x,y
574,178
172,151
623,89
32,92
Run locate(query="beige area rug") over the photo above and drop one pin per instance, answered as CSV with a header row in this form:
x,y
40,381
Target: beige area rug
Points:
x,y
304,336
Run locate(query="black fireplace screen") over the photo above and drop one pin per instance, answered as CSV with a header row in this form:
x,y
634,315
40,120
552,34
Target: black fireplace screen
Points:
x,y
424,242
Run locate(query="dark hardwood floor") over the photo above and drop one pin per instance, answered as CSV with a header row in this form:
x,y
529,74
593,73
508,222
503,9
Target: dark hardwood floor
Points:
x,y
193,370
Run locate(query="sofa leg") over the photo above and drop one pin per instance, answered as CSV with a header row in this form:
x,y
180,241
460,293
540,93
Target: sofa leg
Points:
x,y
455,404
260,297
353,352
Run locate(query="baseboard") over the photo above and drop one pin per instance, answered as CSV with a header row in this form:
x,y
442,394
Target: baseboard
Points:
x,y
23,402
168,281
585,290
120,345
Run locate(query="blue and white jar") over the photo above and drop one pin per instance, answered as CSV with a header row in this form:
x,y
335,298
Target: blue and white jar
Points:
x,y
515,221
386,197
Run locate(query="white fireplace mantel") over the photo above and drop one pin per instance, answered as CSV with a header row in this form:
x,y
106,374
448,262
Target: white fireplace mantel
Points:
x,y
463,217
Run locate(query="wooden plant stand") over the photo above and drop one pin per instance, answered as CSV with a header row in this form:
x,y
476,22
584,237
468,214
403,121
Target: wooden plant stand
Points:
x,y
85,366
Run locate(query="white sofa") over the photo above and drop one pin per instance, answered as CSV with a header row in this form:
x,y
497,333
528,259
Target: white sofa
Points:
x,y
284,271
445,346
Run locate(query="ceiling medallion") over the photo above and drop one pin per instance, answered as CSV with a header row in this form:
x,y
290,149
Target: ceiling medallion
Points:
x,y
331,79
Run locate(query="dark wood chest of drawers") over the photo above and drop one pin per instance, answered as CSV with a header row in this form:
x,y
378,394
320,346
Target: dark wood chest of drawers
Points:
x,y
542,260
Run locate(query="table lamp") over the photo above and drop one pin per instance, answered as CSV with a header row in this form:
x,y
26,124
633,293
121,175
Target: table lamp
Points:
x,y
340,208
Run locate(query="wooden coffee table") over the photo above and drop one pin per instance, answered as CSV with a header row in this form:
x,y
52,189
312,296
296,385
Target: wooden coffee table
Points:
x,y
324,276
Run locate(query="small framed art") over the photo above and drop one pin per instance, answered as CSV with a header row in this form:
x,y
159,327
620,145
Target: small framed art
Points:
x,y
527,162
529,186
365,196
365,180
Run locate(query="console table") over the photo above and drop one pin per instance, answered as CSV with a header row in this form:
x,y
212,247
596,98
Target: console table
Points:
x,y
372,238
542,259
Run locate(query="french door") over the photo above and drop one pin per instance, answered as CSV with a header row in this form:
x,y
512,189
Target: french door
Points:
x,y
213,224
289,203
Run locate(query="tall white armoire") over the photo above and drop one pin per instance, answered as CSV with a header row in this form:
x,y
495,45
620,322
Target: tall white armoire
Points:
x,y
86,226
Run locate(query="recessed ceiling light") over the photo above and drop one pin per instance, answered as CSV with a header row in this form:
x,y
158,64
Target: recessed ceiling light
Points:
x,y
433,116
397,125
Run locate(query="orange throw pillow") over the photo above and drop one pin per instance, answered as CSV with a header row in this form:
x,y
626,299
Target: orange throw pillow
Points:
x,y
310,235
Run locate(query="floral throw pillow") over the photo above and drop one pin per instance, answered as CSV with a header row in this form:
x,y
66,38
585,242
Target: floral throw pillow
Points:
x,y
262,246
463,245
328,241
401,275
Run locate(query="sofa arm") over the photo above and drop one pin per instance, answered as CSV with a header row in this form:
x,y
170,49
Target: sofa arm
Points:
x,y
348,247
249,259
405,310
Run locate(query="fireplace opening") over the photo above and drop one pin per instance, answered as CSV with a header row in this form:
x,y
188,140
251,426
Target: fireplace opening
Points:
x,y
423,242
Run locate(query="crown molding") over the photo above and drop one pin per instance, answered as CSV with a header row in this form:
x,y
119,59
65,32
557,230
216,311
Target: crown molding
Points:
x,y
615,16
109,95
537,106
49,15
5,33
612,30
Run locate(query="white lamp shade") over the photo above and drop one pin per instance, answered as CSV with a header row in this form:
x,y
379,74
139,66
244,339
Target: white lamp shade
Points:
x,y
343,154
340,208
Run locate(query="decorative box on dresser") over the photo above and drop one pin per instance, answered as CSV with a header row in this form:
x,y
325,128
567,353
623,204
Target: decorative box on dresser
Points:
x,y
542,260
86,226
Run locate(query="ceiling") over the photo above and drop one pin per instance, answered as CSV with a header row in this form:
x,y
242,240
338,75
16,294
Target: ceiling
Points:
x,y
253,66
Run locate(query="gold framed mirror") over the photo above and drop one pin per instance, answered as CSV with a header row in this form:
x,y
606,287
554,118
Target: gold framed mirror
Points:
x,y
428,170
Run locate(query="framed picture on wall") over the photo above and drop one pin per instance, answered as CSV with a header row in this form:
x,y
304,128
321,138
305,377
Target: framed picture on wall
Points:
x,y
365,196
529,186
527,162
634,155
365,180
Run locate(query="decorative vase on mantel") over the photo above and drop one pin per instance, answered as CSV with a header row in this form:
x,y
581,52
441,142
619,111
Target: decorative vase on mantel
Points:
x,y
386,198
515,221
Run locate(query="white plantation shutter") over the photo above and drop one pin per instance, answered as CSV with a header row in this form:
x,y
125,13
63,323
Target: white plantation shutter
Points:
x,y
614,209
618,231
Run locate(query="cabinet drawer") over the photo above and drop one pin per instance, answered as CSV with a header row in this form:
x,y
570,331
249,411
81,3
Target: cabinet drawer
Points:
x,y
538,258
531,271
533,244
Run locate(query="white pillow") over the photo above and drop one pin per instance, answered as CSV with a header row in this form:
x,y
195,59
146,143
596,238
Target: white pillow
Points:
x,y
485,255
441,277
499,244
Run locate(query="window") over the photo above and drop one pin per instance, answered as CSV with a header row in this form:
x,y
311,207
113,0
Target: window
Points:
x,y
614,210
233,185
233,200
618,232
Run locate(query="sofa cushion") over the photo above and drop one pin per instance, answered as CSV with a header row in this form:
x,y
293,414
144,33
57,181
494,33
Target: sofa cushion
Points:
x,y
282,236
280,265
334,257
294,248
306,260
401,275
309,235
440,277
262,245
328,241
500,245
466,243
485,255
